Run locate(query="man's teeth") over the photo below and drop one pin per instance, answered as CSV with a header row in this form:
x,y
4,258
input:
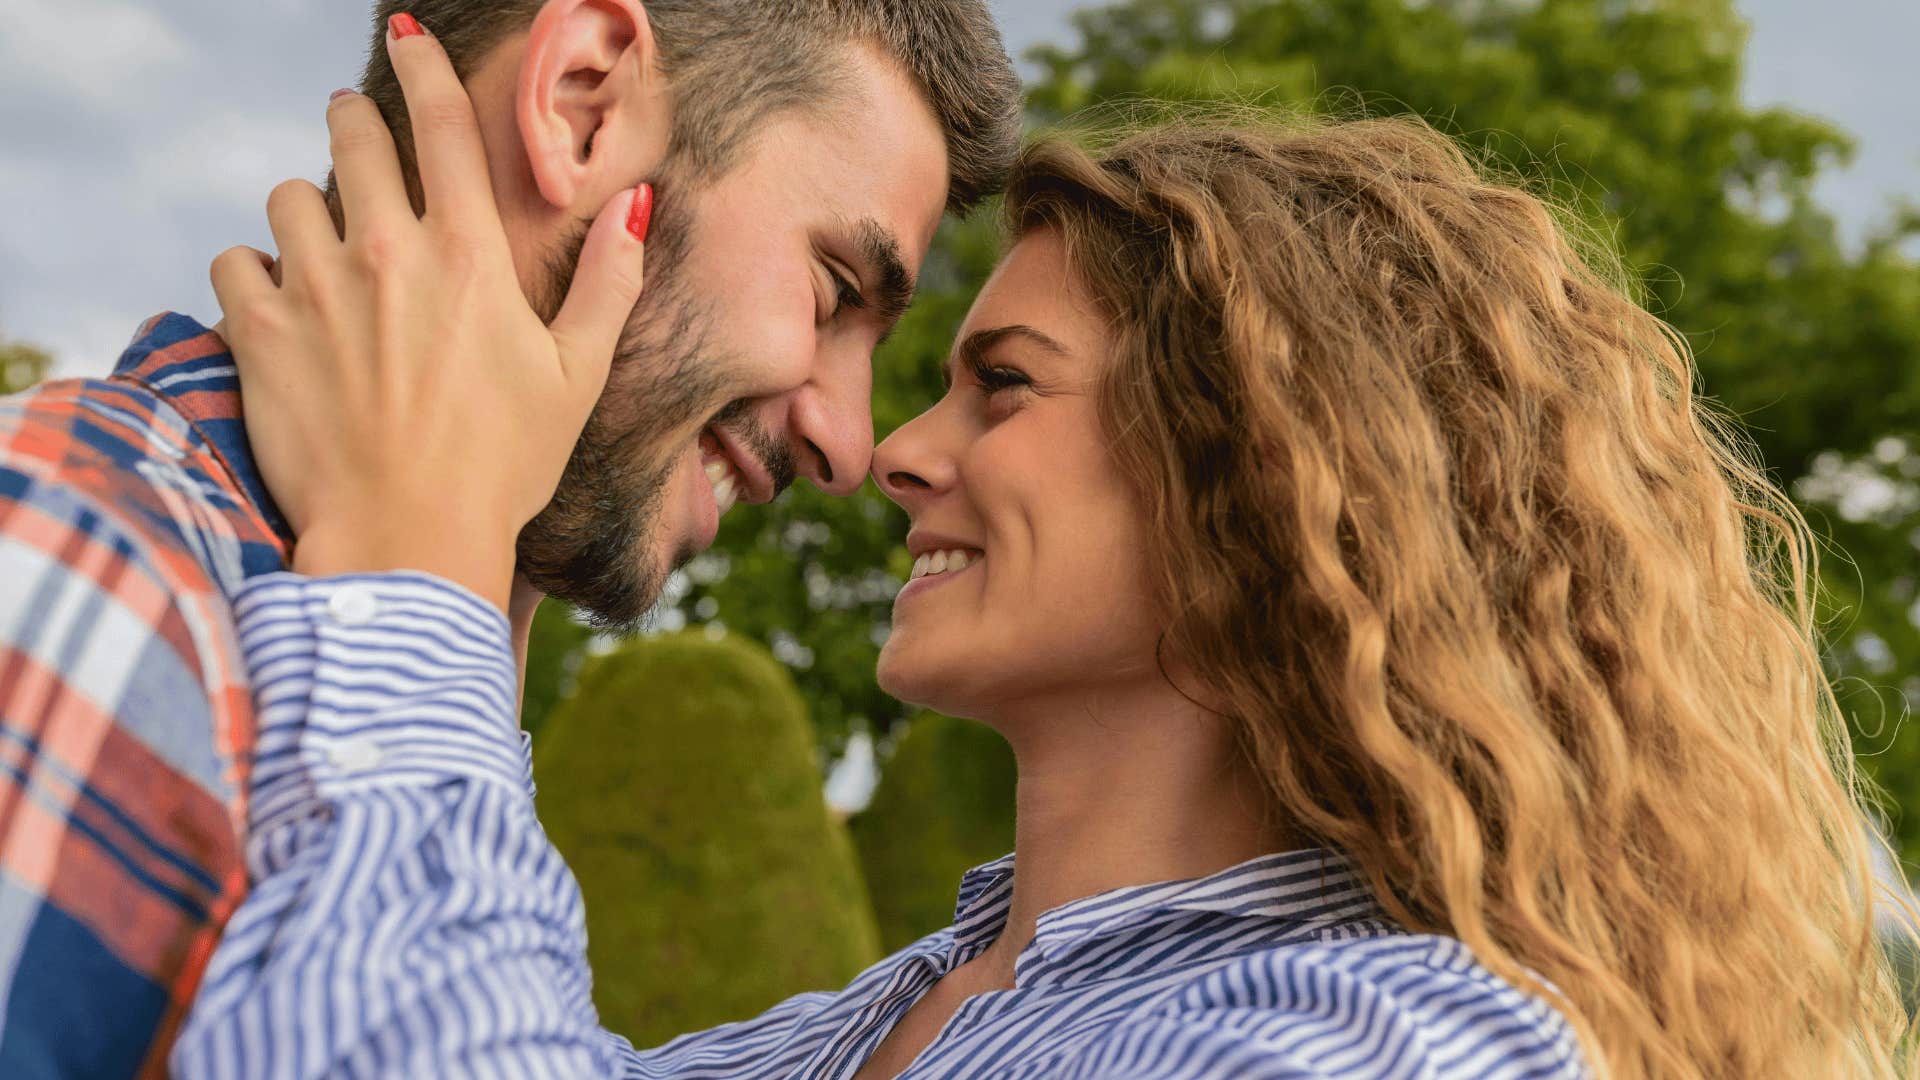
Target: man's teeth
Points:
x,y
942,562
726,486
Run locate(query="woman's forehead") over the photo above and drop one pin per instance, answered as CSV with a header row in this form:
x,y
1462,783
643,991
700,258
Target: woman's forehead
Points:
x,y
1035,286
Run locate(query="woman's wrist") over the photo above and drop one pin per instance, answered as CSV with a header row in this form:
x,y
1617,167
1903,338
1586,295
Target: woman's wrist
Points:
x,y
443,548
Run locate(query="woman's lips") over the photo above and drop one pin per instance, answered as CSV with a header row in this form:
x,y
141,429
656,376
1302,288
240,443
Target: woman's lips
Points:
x,y
924,581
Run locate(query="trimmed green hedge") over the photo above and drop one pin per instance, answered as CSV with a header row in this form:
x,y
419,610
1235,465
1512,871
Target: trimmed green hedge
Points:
x,y
944,806
681,783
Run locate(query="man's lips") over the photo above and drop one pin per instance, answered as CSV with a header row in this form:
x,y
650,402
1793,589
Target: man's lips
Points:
x,y
755,481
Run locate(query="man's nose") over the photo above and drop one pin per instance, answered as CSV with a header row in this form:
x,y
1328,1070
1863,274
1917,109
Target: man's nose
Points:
x,y
833,438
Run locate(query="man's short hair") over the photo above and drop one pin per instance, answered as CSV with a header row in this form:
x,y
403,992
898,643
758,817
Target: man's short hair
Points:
x,y
735,63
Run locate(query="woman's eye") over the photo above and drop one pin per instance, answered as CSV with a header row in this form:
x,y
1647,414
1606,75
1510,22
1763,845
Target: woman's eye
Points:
x,y
993,380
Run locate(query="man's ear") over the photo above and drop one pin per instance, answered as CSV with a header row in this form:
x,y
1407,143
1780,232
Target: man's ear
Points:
x,y
592,108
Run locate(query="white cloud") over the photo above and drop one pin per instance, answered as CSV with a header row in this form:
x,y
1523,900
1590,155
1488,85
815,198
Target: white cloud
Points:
x,y
142,136
232,158
99,51
851,784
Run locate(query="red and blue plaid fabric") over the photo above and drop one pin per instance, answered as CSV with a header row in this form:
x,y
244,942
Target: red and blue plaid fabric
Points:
x,y
130,512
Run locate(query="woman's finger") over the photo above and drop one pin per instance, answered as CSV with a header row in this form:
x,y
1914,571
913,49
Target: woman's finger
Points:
x,y
242,282
606,286
302,227
446,136
366,167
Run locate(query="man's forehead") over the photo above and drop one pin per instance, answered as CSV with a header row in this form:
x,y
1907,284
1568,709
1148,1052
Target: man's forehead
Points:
x,y
879,134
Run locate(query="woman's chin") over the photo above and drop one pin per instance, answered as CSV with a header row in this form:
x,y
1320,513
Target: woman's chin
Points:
x,y
905,673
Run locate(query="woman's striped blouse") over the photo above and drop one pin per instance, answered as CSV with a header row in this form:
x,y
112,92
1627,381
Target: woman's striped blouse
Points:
x,y
409,918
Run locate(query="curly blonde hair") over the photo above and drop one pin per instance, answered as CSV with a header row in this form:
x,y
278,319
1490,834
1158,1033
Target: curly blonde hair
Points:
x,y
1504,611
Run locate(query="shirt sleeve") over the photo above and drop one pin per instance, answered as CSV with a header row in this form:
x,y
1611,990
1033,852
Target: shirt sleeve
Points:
x,y
408,915
120,810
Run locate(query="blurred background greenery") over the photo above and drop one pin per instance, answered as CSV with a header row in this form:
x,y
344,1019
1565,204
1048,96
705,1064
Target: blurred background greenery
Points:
x,y
1627,111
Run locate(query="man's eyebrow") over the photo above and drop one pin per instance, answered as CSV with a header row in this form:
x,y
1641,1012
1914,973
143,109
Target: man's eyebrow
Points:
x,y
972,350
889,284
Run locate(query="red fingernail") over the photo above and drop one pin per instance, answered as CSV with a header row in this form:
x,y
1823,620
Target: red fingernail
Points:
x,y
641,216
338,94
404,25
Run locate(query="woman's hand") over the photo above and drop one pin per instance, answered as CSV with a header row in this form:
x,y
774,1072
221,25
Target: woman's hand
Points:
x,y
407,407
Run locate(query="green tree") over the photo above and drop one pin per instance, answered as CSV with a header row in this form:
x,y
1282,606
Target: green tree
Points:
x,y
22,365
681,785
1627,112
944,806
1630,113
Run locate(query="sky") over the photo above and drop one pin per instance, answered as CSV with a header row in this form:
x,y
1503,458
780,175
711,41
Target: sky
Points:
x,y
139,138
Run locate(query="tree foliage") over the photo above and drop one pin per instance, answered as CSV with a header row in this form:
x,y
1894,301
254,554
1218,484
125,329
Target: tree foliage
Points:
x,y
1629,113
944,806
22,365
680,783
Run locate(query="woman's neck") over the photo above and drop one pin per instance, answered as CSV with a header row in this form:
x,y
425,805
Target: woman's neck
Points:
x,y
1123,788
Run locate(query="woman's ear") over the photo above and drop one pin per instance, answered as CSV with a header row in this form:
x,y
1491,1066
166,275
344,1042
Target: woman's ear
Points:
x,y
592,108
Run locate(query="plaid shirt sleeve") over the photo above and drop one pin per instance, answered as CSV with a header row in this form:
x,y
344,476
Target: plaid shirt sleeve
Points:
x,y
121,717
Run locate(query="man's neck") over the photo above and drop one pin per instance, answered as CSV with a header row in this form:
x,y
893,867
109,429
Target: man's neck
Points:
x,y
520,612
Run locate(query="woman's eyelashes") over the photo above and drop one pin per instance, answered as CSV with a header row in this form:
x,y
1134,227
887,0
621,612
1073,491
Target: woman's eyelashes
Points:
x,y
997,379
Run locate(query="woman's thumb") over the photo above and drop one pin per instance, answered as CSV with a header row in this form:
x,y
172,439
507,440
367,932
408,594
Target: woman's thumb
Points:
x,y
606,285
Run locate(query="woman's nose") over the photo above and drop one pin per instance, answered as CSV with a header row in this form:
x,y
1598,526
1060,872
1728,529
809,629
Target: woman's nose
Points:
x,y
910,464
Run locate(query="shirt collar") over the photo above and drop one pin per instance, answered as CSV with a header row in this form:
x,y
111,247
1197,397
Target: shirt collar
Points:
x,y
1295,891
191,368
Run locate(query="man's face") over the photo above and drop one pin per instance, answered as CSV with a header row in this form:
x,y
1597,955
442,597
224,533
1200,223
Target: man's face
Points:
x,y
749,359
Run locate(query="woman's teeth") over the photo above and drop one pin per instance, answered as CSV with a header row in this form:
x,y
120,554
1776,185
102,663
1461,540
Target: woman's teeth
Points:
x,y
726,486
942,562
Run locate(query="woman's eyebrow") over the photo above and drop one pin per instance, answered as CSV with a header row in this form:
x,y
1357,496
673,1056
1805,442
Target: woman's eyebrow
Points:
x,y
972,349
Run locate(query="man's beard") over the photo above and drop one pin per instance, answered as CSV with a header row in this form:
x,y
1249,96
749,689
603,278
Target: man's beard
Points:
x,y
593,544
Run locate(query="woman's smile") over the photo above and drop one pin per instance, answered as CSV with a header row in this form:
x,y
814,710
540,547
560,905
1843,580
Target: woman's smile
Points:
x,y
934,568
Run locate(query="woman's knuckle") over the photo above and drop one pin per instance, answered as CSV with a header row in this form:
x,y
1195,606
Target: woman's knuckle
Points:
x,y
351,138
461,254
376,249
255,318
228,259
286,193
444,118
319,294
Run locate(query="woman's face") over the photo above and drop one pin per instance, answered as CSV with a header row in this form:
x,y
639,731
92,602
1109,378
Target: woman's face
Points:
x,y
1036,586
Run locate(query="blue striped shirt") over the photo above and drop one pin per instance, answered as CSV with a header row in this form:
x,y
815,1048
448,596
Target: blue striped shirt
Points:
x,y
409,917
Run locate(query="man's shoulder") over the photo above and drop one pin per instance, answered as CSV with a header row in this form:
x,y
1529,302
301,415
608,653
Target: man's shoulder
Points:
x,y
125,723
120,547
111,459
64,425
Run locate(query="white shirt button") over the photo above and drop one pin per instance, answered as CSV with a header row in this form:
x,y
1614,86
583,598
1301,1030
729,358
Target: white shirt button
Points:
x,y
355,755
354,605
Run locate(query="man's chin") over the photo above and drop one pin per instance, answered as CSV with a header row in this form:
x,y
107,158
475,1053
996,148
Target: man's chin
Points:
x,y
618,620
612,601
